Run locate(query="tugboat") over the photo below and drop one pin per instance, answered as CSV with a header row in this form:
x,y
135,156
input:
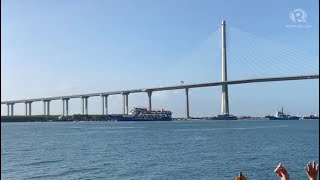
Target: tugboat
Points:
x,y
143,114
281,116
310,117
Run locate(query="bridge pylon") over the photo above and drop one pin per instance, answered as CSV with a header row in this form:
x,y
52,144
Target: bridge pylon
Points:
x,y
224,93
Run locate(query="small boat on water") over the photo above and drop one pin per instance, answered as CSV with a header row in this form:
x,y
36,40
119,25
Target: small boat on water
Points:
x,y
310,117
143,114
281,116
224,117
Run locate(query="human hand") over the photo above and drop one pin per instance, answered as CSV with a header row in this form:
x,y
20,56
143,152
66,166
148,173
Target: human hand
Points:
x,y
241,177
312,170
282,172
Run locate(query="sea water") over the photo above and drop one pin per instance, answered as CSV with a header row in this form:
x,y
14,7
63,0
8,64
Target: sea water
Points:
x,y
157,150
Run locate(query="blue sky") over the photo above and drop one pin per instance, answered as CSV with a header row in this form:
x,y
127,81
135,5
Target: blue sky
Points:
x,y
51,48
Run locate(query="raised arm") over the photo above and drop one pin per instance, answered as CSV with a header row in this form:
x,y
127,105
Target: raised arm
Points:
x,y
312,170
281,172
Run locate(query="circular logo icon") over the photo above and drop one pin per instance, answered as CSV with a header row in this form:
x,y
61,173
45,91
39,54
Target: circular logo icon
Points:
x,y
298,16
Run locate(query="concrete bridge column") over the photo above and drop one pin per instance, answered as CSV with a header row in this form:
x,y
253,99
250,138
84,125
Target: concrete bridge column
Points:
x,y
224,94
12,105
63,107
187,102
26,108
8,109
102,101
127,107
86,104
44,108
48,107
29,108
149,99
82,105
106,104
67,106
123,104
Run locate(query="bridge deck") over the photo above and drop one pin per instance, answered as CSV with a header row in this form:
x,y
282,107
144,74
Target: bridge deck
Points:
x,y
243,81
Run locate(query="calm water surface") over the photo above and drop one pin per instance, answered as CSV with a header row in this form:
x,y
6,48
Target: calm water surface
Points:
x,y
157,150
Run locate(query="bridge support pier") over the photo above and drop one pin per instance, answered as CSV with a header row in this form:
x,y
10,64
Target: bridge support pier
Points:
x,y
30,108
86,105
44,108
187,103
8,110
26,108
125,108
82,105
48,108
67,107
63,107
149,99
123,104
106,104
224,94
104,100
12,106
127,104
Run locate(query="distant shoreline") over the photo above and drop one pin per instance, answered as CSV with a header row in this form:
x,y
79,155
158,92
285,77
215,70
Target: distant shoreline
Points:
x,y
57,118
53,118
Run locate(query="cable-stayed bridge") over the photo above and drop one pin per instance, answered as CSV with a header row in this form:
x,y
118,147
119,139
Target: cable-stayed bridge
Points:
x,y
251,50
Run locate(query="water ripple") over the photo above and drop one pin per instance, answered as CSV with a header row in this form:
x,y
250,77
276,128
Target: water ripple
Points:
x,y
63,173
235,128
148,150
41,162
